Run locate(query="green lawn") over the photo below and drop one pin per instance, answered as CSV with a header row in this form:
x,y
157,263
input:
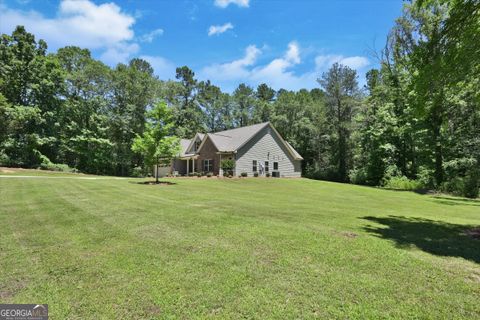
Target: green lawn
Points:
x,y
236,248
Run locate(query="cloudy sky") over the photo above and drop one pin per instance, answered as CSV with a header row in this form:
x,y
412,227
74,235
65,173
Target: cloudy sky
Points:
x,y
286,44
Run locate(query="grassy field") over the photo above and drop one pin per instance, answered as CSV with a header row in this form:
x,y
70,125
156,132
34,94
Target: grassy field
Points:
x,y
236,248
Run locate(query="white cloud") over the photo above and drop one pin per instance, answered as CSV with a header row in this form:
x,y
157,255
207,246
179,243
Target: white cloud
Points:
x,y
323,62
219,29
120,52
279,72
149,37
81,23
163,68
226,3
235,70
355,62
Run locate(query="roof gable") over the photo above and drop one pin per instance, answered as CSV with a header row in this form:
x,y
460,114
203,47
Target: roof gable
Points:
x,y
287,145
198,137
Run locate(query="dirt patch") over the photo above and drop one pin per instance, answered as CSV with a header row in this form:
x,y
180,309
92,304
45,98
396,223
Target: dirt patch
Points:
x,y
11,290
153,183
8,170
347,234
153,310
474,233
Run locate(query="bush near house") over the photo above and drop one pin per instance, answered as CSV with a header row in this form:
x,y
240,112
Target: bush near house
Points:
x,y
227,166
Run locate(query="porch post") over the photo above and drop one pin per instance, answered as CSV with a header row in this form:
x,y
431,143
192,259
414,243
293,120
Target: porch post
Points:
x,y
188,166
193,164
220,171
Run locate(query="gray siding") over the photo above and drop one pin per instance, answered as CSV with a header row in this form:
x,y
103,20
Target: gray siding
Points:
x,y
267,146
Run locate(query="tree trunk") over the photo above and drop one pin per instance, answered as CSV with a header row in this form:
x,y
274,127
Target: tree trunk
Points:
x,y
438,152
342,161
156,172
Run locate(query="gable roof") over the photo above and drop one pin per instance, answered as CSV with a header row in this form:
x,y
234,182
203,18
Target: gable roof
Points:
x,y
184,144
190,145
233,139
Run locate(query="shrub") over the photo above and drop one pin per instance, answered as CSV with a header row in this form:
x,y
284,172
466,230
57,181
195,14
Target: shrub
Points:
x,y
455,186
138,172
467,186
471,186
191,174
267,174
5,159
227,166
425,177
46,164
255,174
199,174
209,174
402,183
358,176
244,174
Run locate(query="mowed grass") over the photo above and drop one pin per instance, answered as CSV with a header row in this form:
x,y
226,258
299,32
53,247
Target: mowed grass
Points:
x,y
236,248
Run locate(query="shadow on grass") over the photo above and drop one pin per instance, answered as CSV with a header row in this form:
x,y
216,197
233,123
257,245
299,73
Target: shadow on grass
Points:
x,y
435,237
164,183
456,201
418,191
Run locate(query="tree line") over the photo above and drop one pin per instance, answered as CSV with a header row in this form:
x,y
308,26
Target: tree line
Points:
x,y
415,124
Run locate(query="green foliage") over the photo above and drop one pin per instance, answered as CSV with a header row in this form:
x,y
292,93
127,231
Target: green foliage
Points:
x,y
471,187
156,145
255,174
227,164
46,164
244,174
358,176
466,186
402,183
139,172
342,100
417,118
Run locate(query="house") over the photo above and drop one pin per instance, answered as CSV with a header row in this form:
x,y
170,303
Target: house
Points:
x,y
256,148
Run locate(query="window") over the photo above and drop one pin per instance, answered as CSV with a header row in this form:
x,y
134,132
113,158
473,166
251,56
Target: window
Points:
x,y
275,166
266,166
196,145
207,165
254,165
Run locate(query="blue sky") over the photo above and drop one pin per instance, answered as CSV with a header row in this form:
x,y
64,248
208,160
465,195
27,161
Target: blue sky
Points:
x,y
286,44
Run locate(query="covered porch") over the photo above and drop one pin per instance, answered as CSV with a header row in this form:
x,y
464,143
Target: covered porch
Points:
x,y
185,165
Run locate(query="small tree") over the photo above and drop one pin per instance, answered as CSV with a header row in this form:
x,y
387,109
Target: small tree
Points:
x,y
156,144
227,166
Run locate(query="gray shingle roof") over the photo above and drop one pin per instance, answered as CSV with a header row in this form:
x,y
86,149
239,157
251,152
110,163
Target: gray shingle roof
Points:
x,y
184,143
231,140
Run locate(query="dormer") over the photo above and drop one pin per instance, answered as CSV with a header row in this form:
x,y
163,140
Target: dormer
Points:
x,y
195,143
